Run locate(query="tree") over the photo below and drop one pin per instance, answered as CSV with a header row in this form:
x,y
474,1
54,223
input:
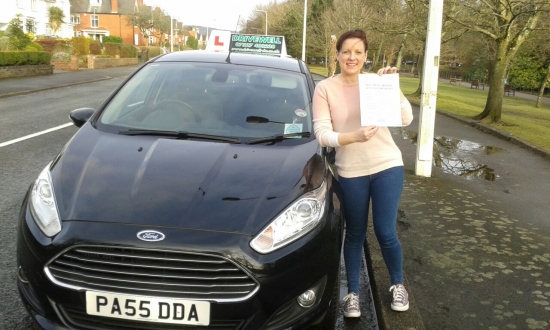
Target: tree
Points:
x,y
55,18
142,18
192,42
507,23
161,24
18,39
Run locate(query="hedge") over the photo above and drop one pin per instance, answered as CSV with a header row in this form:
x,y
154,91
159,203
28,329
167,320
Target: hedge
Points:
x,y
153,50
113,39
24,58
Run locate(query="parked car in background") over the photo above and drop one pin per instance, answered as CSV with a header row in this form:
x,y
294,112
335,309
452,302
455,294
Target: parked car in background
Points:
x,y
195,196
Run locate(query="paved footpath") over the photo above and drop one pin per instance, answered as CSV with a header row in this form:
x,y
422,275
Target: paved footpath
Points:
x,y
475,235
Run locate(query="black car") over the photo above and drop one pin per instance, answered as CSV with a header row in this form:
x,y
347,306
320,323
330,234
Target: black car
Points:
x,y
195,197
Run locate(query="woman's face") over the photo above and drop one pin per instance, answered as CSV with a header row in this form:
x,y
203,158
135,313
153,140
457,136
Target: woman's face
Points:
x,y
351,57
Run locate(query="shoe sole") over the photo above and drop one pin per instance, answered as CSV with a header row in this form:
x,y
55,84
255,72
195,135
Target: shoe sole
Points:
x,y
352,314
400,308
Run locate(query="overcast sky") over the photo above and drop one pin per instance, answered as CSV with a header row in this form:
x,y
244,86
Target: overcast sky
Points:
x,y
221,14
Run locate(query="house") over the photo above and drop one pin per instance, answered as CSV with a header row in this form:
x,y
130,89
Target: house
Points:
x,y
98,18
35,17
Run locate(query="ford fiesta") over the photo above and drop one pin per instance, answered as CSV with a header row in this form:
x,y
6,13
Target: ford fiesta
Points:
x,y
195,197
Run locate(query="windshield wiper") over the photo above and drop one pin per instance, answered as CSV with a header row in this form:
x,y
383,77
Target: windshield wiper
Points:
x,y
182,135
278,137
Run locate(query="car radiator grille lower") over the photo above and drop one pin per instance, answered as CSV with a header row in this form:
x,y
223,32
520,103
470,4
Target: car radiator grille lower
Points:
x,y
78,319
158,273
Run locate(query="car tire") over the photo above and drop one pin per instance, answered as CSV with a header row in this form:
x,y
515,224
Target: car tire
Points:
x,y
329,322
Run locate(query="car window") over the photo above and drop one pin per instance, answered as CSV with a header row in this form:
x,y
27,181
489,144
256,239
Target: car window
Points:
x,y
211,98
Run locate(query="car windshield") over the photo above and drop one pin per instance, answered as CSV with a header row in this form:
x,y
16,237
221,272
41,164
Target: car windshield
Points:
x,y
211,98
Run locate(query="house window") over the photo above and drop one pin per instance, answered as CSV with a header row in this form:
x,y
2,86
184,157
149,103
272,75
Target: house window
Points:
x,y
95,20
95,2
19,3
75,19
33,4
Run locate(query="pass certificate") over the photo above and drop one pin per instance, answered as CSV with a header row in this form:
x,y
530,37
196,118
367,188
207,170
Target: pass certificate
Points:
x,y
380,100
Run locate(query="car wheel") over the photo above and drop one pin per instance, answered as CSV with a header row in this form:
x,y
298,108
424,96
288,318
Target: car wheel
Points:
x,y
329,323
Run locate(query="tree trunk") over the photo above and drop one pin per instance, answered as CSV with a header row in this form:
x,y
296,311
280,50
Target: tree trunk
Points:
x,y
493,106
543,87
332,58
400,52
418,91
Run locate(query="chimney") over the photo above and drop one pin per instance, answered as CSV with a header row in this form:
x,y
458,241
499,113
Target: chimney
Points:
x,y
114,6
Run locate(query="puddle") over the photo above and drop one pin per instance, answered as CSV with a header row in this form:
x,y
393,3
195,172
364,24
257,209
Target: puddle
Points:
x,y
453,156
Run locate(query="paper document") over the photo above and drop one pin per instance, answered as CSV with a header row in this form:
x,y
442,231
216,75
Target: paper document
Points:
x,y
380,100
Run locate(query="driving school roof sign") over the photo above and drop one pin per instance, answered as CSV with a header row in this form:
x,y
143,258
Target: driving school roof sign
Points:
x,y
226,41
267,45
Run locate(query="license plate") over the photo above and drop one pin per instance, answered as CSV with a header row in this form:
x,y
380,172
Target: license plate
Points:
x,y
149,309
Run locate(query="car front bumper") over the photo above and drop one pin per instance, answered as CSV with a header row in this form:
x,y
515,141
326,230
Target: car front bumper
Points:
x,y
310,263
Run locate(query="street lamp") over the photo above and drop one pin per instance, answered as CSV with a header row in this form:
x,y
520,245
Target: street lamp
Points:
x,y
171,35
304,33
95,20
265,12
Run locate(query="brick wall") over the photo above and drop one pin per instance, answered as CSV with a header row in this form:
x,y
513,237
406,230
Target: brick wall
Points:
x,y
72,65
100,63
25,70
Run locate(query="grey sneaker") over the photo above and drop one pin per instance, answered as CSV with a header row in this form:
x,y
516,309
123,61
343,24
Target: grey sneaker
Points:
x,y
400,301
351,305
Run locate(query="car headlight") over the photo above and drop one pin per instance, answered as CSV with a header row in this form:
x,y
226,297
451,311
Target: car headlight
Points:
x,y
296,221
43,206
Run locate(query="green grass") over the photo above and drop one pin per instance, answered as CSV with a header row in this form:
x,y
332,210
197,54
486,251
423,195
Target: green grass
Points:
x,y
520,118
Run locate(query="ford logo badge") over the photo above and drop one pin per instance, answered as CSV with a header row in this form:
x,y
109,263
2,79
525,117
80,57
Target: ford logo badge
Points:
x,y
150,235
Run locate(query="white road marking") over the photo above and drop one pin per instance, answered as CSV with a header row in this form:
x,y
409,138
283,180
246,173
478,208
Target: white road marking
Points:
x,y
35,134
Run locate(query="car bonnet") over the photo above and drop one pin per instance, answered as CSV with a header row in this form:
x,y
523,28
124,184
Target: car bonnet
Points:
x,y
152,181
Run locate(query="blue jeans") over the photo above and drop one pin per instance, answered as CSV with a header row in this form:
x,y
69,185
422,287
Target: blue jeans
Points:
x,y
383,189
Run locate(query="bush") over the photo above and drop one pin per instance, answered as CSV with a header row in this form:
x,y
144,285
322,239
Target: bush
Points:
x,y
4,44
24,58
128,51
48,44
112,49
81,46
61,56
34,47
95,47
112,39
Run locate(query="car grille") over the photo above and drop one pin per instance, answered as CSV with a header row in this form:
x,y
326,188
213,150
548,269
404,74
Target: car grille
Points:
x,y
78,319
152,273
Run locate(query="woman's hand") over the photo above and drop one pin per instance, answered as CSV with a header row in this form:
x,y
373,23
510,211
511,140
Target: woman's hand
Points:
x,y
387,69
365,133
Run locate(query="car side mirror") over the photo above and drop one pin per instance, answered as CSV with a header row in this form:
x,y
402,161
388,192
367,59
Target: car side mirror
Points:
x,y
80,116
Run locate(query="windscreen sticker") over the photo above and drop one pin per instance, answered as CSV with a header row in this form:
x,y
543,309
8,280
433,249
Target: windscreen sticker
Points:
x,y
300,113
293,128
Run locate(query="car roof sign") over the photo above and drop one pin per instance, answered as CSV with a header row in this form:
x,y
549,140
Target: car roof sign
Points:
x,y
225,41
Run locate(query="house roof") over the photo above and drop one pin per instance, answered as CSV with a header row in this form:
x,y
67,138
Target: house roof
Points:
x,y
83,6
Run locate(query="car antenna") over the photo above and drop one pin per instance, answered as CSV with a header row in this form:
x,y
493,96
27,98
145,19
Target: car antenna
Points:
x,y
228,59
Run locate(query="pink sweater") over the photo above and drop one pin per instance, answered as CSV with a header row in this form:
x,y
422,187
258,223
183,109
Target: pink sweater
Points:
x,y
336,108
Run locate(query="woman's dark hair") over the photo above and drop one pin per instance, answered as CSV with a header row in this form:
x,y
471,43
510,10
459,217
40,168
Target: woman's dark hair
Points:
x,y
359,34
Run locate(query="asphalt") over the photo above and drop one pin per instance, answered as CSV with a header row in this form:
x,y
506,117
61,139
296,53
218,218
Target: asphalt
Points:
x,y
429,211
